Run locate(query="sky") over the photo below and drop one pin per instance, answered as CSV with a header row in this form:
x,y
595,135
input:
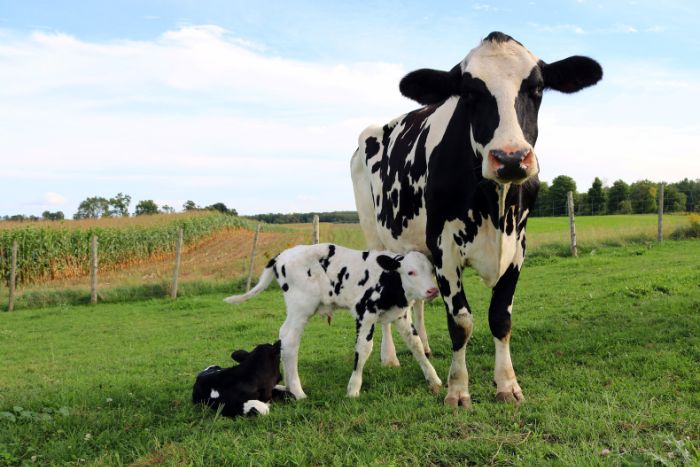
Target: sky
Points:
x,y
259,104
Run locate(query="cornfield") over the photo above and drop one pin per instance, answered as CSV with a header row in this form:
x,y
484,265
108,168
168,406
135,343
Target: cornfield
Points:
x,y
57,250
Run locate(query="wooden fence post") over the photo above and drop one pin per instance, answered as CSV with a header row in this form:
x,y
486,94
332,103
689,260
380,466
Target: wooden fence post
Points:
x,y
316,232
13,277
572,225
252,258
176,270
93,269
659,233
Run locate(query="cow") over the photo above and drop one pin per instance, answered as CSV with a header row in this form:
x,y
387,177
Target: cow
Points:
x,y
244,389
456,180
375,286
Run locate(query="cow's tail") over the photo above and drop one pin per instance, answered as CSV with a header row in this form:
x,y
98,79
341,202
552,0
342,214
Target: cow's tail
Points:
x,y
264,281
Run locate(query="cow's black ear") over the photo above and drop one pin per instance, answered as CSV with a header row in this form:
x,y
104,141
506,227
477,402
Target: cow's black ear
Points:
x,y
571,74
388,263
428,86
239,355
277,345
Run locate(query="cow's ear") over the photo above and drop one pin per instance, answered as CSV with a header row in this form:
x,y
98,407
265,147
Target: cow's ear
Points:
x,y
239,355
388,263
571,74
428,86
277,346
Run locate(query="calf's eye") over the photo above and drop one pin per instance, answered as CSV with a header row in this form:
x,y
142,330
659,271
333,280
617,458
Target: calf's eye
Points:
x,y
411,273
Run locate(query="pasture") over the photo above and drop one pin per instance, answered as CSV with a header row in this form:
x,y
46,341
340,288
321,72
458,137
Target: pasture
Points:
x,y
606,348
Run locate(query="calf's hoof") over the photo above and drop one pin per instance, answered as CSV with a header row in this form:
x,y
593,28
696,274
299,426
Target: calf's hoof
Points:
x,y
428,354
391,362
456,400
514,396
436,387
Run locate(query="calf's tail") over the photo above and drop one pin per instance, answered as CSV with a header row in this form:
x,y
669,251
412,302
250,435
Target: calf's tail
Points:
x,y
264,281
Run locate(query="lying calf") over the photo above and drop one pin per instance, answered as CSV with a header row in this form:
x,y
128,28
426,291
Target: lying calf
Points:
x,y
374,286
246,389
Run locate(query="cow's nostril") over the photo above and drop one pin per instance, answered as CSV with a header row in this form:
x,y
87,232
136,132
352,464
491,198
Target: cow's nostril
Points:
x,y
432,291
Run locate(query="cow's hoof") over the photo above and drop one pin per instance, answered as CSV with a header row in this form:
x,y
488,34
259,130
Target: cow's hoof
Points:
x,y
515,397
428,354
392,362
436,387
456,400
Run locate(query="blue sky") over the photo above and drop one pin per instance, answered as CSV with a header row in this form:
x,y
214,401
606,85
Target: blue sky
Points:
x,y
259,105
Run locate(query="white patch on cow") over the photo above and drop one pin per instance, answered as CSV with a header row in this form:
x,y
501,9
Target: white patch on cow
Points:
x,y
208,368
503,373
375,296
260,406
214,394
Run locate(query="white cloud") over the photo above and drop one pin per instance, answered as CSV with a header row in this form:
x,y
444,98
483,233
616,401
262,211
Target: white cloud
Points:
x,y
55,199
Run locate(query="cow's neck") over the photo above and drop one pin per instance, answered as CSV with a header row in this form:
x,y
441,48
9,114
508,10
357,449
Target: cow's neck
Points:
x,y
505,250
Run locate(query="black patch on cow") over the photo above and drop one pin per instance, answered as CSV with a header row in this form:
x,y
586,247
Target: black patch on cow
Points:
x,y
376,166
285,287
364,279
326,260
444,286
501,299
274,269
365,254
499,38
357,357
371,147
391,292
458,335
370,334
339,284
272,262
388,263
308,272
527,104
509,221
413,330
284,271
481,114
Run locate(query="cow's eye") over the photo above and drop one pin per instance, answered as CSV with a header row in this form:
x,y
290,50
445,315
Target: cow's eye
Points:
x,y
411,273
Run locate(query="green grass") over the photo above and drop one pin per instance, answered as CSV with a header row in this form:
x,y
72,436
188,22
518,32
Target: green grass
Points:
x,y
606,348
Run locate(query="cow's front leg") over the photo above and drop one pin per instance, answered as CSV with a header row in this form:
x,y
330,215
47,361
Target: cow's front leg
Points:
x,y
410,336
507,387
459,324
363,347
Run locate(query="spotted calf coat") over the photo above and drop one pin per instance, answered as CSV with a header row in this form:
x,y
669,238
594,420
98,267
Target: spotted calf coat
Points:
x,y
375,286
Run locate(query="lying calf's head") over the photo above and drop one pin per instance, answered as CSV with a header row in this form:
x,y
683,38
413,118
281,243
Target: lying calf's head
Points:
x,y
416,272
244,389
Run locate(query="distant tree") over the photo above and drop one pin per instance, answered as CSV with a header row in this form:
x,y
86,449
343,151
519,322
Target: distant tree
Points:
x,y
52,216
93,208
167,209
542,206
674,199
625,207
120,205
618,193
596,197
221,207
582,205
561,185
146,207
190,206
691,189
643,197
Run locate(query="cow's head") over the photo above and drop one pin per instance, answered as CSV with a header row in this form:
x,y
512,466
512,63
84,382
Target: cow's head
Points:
x,y
416,273
501,83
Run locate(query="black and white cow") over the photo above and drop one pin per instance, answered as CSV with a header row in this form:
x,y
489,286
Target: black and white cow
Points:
x,y
456,180
375,286
244,389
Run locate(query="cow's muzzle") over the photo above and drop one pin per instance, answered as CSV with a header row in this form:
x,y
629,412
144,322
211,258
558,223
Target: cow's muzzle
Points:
x,y
511,166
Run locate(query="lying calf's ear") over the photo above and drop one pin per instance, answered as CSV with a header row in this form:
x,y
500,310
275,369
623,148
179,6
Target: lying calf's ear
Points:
x,y
239,355
277,345
388,263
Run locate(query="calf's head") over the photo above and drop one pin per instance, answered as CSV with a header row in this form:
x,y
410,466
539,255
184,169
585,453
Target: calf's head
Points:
x,y
500,84
416,274
262,363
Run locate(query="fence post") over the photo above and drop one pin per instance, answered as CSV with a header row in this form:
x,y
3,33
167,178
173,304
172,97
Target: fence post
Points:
x,y
13,277
316,232
659,233
572,225
93,269
176,270
252,258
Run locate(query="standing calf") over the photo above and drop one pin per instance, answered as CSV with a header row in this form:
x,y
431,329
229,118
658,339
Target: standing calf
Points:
x,y
374,286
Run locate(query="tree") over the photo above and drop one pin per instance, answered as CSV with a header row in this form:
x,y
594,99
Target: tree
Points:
x,y
221,207
52,216
561,185
542,207
146,207
167,209
618,193
93,208
691,189
596,197
643,197
674,199
190,206
120,205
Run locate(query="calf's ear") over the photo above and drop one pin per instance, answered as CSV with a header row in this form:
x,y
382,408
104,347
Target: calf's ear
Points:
x,y
388,263
571,74
239,355
427,86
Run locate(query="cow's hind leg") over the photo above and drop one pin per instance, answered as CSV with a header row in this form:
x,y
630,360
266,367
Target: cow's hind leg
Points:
x,y
410,336
298,314
507,387
363,347
388,351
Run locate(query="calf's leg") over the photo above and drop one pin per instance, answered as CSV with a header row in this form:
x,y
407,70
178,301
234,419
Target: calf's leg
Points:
x,y
363,347
419,309
388,351
410,336
290,335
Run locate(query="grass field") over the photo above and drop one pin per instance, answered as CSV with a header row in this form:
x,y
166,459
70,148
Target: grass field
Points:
x,y
606,348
